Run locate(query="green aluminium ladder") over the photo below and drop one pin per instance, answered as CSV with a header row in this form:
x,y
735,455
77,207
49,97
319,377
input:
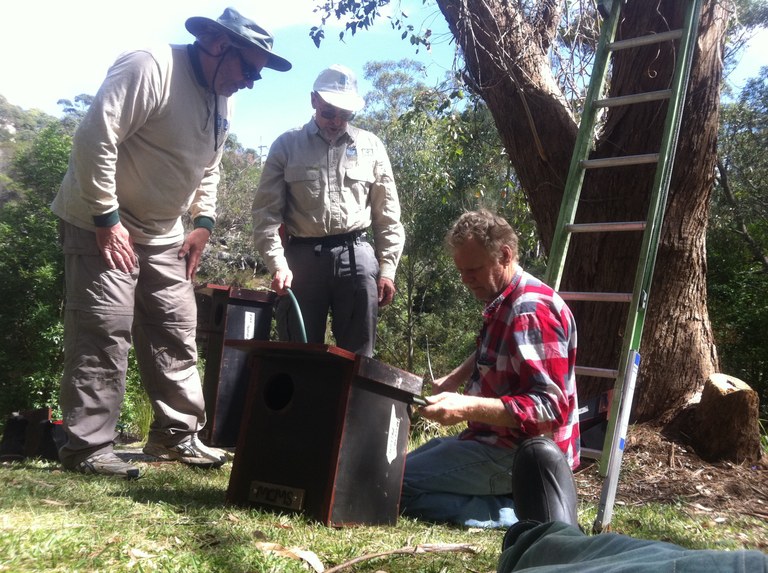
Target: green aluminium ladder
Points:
x,y
629,361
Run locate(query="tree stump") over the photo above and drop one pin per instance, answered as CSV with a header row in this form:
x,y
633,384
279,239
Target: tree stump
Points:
x,y
726,421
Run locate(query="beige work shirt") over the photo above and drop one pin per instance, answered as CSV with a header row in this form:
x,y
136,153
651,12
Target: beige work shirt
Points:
x,y
318,189
147,147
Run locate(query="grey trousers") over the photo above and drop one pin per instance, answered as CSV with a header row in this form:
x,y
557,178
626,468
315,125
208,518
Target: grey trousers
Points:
x,y
322,282
106,310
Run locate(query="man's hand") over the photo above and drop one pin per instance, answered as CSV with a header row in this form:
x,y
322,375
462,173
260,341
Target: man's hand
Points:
x,y
281,281
386,291
192,249
446,408
116,247
449,408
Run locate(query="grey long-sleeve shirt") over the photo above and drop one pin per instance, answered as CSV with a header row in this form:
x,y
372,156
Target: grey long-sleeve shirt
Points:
x,y
146,147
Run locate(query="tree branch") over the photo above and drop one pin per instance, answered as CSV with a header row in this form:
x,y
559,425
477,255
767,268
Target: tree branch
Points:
x,y
426,548
741,226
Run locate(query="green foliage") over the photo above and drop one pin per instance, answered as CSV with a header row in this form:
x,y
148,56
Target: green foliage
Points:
x,y
360,15
74,112
447,158
19,126
229,257
136,415
737,239
32,269
41,167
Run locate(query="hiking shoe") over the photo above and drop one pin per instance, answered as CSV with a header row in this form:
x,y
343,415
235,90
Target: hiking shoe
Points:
x,y
189,451
107,464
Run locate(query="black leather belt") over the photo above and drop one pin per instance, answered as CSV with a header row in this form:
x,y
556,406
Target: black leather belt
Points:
x,y
329,241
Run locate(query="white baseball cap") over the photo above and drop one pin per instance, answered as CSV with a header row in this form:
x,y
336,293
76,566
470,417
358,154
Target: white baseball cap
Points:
x,y
337,85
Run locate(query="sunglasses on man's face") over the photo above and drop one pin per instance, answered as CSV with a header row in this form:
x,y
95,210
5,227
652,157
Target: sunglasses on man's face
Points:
x,y
332,113
249,71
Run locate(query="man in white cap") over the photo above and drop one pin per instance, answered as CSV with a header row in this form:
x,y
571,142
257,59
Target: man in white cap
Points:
x,y
146,153
322,187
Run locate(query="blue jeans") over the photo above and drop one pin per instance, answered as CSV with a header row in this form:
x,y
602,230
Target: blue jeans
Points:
x,y
459,481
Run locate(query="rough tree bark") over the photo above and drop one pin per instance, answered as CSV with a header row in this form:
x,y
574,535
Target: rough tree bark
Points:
x,y
505,50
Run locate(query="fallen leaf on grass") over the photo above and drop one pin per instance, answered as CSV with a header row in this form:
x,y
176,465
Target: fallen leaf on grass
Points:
x,y
139,556
297,553
701,507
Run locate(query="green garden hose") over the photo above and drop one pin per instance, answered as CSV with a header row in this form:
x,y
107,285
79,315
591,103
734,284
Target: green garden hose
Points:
x,y
300,318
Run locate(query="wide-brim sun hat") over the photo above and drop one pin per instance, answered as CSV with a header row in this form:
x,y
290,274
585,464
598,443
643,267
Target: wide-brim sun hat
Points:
x,y
337,85
244,33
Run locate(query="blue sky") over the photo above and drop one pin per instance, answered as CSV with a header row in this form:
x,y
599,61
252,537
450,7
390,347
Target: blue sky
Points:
x,y
53,49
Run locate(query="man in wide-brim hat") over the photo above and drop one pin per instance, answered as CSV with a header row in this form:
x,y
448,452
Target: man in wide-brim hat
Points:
x,y
147,152
245,34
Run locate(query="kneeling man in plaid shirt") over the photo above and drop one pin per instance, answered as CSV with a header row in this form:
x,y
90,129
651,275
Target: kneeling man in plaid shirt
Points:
x,y
514,459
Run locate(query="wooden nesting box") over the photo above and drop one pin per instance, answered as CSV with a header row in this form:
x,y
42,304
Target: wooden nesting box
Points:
x,y
324,432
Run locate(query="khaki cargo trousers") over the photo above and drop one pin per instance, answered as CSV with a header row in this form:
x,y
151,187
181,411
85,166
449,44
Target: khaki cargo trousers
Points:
x,y
106,310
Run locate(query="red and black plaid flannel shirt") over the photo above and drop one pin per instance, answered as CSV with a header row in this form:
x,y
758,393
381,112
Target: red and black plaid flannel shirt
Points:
x,y
526,355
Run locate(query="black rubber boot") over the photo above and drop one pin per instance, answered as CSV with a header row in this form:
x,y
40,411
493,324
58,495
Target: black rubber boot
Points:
x,y
542,483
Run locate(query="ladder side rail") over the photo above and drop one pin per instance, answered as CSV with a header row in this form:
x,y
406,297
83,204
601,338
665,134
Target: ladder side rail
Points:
x,y
636,316
643,278
663,176
649,247
582,147
618,442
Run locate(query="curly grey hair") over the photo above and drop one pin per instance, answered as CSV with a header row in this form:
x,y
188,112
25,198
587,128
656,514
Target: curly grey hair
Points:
x,y
486,228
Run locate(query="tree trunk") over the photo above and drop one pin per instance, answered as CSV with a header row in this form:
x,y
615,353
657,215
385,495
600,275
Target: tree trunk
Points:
x,y
507,63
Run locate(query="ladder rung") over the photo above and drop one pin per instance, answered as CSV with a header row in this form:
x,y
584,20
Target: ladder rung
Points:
x,y
645,40
591,453
597,296
620,161
605,227
597,372
634,98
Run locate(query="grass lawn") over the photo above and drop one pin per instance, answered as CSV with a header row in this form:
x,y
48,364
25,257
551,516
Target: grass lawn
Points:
x,y
175,519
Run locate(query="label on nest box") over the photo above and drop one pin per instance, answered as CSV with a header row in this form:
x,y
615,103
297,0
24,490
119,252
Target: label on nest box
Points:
x,y
250,325
277,495
392,436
